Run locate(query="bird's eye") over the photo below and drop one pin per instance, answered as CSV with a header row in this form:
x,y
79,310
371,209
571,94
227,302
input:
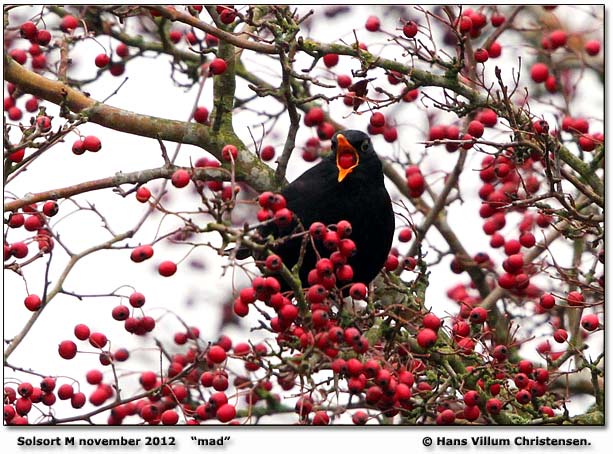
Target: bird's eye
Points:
x,y
364,146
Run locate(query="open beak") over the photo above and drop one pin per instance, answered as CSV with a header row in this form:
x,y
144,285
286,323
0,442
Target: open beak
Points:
x,y
347,158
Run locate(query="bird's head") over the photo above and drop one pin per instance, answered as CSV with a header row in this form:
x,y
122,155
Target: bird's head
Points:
x,y
353,151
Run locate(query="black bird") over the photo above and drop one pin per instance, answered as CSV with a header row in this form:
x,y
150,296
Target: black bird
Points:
x,y
346,185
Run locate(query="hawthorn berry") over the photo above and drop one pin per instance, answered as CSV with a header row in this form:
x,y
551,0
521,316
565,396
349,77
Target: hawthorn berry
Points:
x,y
69,23
218,66
481,55
102,60
180,178
330,60
120,313
431,321
143,194
167,268
358,291
445,417
426,338
493,406
590,322
216,354
575,298
97,340
478,315
539,72
169,418
92,143
33,302
267,153
373,24
523,396
410,29
592,47
201,115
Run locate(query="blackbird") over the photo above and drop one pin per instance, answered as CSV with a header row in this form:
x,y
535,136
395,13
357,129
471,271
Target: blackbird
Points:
x,y
346,185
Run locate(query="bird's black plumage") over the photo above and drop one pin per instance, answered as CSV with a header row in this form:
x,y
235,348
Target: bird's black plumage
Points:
x,y
360,198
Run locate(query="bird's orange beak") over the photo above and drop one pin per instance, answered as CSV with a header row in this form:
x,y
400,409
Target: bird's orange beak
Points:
x,y
347,158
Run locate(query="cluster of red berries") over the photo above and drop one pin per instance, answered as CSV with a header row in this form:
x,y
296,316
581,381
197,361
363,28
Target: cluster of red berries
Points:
x,y
316,117
580,127
34,220
416,183
15,114
471,22
88,143
19,402
379,124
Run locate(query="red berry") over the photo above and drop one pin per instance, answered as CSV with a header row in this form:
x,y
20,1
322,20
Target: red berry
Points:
x,y
169,418
33,302
373,24
315,116
343,80
15,113
92,143
475,128
539,72
410,29
431,321
330,60
590,322
587,143
141,253
426,338
445,417
180,178
122,50
67,349
16,220
527,239
81,331
117,69
267,153
143,194
201,115
78,400
547,301
592,47
377,120
94,377
43,37
225,413
472,398
167,268
32,104
478,315
493,406
97,340
481,55
102,60
68,23
575,298
358,291
523,396
28,30
218,66
557,38
488,117
497,20
216,354
229,153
